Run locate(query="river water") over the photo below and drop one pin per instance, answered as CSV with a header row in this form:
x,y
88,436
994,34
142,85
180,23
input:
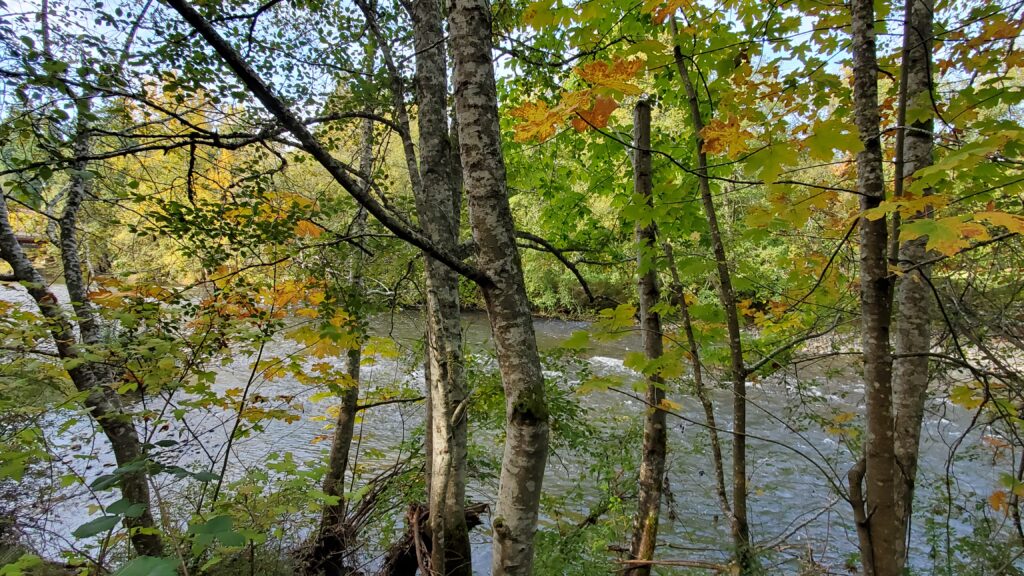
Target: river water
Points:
x,y
792,462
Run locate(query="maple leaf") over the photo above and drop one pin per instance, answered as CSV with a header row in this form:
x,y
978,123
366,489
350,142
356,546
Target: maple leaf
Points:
x,y
597,116
1012,222
669,405
541,121
661,11
945,235
999,501
614,75
308,229
725,137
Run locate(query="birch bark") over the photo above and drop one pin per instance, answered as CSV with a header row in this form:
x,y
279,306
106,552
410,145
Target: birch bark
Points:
x,y
437,206
913,296
483,170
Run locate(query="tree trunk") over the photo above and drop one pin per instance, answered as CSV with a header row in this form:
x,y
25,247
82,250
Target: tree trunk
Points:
x,y
436,206
883,527
498,271
483,168
103,403
727,297
700,389
652,462
333,540
913,297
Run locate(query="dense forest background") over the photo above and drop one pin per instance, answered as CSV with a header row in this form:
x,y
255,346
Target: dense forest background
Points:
x,y
522,287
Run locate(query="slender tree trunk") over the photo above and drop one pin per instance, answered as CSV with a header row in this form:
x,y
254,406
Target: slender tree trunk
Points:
x,y
436,206
727,296
652,462
883,532
483,168
333,540
913,297
700,389
103,403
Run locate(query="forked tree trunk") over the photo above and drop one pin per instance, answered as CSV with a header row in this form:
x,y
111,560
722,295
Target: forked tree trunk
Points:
x,y
727,297
483,169
92,378
699,388
652,461
880,536
437,204
913,296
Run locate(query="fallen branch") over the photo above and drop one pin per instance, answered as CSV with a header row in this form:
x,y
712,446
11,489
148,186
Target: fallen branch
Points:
x,y
700,564
386,402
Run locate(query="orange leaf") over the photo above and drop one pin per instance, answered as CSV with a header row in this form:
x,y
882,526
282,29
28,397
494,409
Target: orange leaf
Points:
x,y
308,229
541,121
597,116
999,501
725,137
661,12
614,74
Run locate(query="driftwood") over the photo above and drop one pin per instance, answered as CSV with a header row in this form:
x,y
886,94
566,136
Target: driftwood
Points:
x,y
411,553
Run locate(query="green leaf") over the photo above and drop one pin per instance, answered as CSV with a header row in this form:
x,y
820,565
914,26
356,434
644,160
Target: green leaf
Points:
x,y
205,476
149,566
214,525
770,162
125,508
22,565
578,341
598,384
97,526
965,397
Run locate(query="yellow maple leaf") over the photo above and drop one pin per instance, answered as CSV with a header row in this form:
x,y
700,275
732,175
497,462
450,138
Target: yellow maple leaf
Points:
x,y
728,137
614,75
541,121
669,405
999,501
308,229
1012,222
660,11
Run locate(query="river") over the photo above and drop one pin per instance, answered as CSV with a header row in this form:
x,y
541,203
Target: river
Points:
x,y
792,505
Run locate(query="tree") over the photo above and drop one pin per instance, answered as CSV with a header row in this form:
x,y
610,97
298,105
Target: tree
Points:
x,y
876,515
652,464
913,299
483,173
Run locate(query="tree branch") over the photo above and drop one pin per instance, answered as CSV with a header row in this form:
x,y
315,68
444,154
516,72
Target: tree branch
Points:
x,y
546,246
387,402
314,148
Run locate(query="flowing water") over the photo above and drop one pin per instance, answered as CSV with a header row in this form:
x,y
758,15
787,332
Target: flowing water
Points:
x,y
793,464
